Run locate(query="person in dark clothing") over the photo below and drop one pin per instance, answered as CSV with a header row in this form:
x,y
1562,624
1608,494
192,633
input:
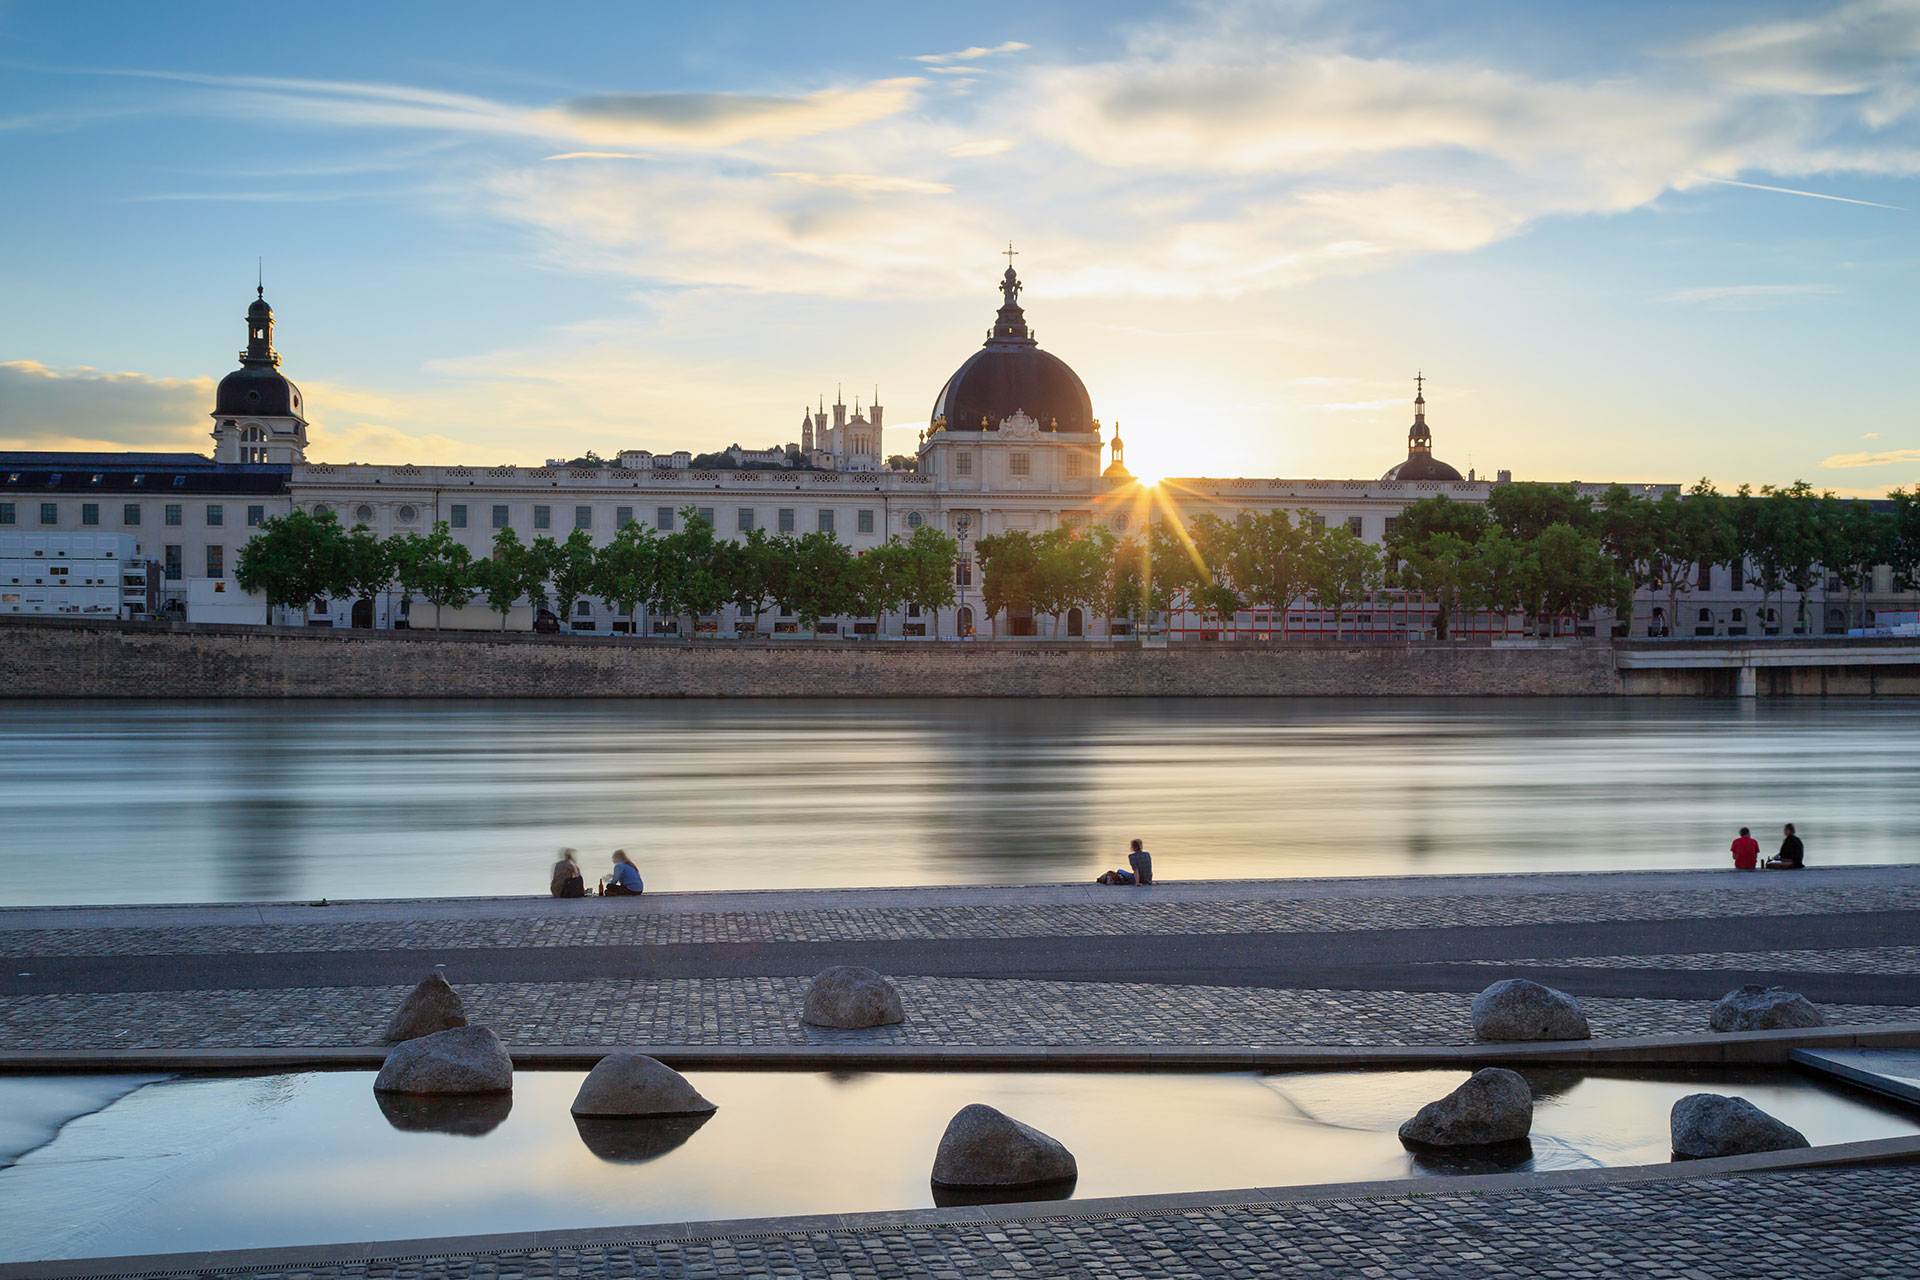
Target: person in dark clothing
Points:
x,y
1792,855
1142,863
567,880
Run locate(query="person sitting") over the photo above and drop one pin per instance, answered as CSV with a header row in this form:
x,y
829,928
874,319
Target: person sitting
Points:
x,y
1746,851
1114,877
1792,855
567,880
625,878
1142,863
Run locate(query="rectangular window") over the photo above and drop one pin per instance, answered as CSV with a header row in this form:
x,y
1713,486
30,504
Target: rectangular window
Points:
x,y
216,515
1076,464
1736,576
583,517
706,513
49,513
663,519
543,517
499,516
826,519
256,516
622,517
130,514
745,518
864,522
1019,464
786,519
457,516
216,562
1354,525
175,516
1705,577
6,513
963,571
963,463
173,561
1393,525
89,513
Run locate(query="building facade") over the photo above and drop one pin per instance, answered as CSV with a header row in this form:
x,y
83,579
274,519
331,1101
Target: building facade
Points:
x,y
1011,444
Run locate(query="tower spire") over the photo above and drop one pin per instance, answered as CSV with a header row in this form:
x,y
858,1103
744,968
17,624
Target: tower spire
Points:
x,y
1419,438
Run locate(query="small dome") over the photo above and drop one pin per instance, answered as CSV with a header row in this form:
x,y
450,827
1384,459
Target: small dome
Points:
x,y
1010,374
1422,466
257,390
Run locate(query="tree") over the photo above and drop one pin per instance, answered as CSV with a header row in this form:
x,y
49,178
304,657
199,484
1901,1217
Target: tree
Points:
x,y
1527,510
627,569
540,557
295,560
370,564
1443,567
1854,537
572,573
1573,575
1010,572
880,580
1341,569
1629,531
753,573
437,568
1269,558
820,582
503,578
1502,569
1903,538
694,575
1211,582
929,571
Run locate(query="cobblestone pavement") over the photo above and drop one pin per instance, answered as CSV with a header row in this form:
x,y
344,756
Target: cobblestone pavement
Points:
x,y
1838,960
1854,1223
1124,916
765,1011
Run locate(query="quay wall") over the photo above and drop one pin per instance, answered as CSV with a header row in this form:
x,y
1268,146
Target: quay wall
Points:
x,y
70,658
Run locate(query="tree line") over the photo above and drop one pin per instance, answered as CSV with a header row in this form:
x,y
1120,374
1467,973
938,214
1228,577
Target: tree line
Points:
x,y
301,557
1543,552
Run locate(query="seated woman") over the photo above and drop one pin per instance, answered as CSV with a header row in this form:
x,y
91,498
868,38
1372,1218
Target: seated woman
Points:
x,y
625,878
567,880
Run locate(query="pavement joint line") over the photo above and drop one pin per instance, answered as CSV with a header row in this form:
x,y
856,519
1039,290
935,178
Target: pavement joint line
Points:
x,y
284,1259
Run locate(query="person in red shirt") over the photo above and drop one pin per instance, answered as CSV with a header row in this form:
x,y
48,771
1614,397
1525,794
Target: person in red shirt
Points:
x,y
1746,851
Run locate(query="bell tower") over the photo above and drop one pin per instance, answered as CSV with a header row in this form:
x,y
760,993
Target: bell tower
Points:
x,y
258,416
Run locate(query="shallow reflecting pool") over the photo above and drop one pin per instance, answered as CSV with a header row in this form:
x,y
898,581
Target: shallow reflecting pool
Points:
x,y
314,1158
234,801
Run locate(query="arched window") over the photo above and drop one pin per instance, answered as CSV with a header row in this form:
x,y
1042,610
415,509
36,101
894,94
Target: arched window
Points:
x,y
966,620
1706,615
1076,623
253,434
1739,615
1836,620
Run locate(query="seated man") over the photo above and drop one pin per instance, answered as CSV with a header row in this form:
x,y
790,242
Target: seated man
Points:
x,y
1746,851
1792,855
625,878
1142,863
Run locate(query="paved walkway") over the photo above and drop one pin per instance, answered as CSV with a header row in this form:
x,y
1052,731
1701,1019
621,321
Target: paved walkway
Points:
x,y
1858,1223
1316,962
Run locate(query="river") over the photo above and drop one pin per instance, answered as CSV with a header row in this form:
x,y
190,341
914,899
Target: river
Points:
x,y
244,801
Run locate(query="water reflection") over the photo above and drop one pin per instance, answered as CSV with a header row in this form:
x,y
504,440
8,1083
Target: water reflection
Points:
x,y
960,1197
303,800
636,1140
470,1115
1492,1157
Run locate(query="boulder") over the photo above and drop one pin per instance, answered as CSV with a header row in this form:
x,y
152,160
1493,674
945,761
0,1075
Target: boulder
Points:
x,y
1757,1008
432,1006
1515,1009
1494,1105
985,1148
632,1084
1712,1124
851,995
460,1060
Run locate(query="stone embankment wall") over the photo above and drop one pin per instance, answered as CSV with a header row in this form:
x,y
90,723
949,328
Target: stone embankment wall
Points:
x,y
59,658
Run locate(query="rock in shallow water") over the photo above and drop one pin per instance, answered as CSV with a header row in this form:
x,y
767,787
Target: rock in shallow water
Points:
x,y
461,1060
1494,1105
632,1084
432,1006
1515,1009
985,1148
1713,1124
1757,1008
851,996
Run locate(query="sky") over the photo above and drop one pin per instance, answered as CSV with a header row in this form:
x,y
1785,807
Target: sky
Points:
x,y
1629,241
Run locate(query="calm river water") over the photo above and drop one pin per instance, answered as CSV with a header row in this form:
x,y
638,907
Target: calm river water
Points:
x,y
238,801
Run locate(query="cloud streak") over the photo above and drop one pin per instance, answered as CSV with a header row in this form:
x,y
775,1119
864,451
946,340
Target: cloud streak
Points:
x,y
1885,458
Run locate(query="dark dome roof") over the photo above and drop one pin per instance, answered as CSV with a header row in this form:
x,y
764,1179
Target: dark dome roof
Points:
x,y
1422,466
257,390
259,307
1010,374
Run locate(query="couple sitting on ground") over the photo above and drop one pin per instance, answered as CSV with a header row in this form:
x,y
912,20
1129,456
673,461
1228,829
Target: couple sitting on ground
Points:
x,y
1746,853
1142,873
569,883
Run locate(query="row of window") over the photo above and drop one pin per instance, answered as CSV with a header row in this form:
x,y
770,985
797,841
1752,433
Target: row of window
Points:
x,y
173,561
1021,464
666,519
131,514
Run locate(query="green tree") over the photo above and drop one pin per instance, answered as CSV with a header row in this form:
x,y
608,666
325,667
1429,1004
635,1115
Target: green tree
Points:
x,y
1854,537
1270,559
1010,572
929,571
1502,570
1527,510
626,570
437,568
296,559
880,581
695,573
1574,575
821,579
369,564
1444,568
1341,569
541,555
753,573
503,577
572,573
1903,538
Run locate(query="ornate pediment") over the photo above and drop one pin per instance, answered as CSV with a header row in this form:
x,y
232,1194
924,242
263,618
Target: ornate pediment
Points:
x,y
1019,426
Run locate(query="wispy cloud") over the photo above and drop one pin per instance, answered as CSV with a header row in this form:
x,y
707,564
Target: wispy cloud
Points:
x,y
600,155
869,183
728,119
971,54
1886,458
1748,293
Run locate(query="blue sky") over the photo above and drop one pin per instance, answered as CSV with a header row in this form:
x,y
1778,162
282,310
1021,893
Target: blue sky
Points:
x,y
495,234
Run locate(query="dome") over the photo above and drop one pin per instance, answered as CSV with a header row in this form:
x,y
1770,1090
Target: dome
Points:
x,y
1010,374
1420,463
257,390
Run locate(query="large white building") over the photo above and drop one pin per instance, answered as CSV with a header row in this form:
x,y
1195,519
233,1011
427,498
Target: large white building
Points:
x,y
1011,443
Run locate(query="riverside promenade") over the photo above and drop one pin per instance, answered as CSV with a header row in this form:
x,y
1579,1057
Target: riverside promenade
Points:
x,y
1229,974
